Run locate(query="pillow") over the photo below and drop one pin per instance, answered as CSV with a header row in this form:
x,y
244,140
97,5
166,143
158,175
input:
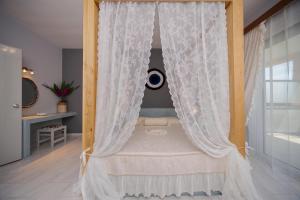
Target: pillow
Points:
x,y
173,120
156,131
159,121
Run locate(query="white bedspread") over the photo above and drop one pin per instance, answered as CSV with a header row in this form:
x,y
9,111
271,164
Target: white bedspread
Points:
x,y
169,153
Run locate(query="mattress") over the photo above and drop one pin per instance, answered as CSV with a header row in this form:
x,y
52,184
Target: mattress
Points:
x,y
161,151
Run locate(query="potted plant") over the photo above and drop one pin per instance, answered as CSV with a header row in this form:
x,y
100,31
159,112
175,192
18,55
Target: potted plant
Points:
x,y
62,91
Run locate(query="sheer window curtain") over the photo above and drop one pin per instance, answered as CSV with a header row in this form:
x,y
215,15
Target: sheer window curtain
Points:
x,y
254,49
125,38
256,122
254,87
194,44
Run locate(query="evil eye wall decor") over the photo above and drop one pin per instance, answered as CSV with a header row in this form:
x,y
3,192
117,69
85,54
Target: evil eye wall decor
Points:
x,y
156,79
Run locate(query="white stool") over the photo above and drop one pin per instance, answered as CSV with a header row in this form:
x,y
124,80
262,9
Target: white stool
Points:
x,y
50,132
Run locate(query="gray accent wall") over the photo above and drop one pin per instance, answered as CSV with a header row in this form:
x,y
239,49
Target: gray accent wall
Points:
x,y
72,71
38,54
157,98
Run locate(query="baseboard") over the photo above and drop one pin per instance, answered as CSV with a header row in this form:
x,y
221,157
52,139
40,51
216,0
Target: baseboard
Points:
x,y
74,134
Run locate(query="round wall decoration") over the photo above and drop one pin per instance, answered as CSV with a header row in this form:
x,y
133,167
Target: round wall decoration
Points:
x,y
156,79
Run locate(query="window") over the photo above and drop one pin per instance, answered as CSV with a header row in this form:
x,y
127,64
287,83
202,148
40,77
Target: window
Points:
x,y
282,85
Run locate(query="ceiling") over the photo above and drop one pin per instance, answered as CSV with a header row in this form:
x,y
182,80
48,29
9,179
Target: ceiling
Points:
x,y
255,8
60,21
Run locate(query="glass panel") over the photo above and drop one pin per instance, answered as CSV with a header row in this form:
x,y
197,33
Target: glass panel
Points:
x,y
268,138
280,92
294,138
293,14
280,121
267,34
294,56
279,47
280,146
294,125
282,85
268,92
280,139
267,73
268,120
278,55
294,93
268,143
277,24
292,73
293,32
295,150
280,71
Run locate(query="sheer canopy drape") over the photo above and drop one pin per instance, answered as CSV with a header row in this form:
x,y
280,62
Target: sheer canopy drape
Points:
x,y
195,56
125,37
194,44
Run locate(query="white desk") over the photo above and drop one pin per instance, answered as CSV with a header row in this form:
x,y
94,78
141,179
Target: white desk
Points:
x,y
26,126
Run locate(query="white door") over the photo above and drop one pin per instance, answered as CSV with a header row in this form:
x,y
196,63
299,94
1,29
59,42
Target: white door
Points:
x,y
10,104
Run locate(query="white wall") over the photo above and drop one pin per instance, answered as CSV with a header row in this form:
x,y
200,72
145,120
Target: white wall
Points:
x,y
40,55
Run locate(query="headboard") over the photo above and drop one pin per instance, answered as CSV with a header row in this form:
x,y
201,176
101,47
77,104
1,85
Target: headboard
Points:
x,y
158,112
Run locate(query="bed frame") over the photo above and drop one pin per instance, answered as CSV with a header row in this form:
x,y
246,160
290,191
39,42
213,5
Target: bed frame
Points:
x,y
235,39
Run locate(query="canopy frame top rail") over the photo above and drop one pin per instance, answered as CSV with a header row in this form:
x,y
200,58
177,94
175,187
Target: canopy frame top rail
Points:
x,y
227,2
98,1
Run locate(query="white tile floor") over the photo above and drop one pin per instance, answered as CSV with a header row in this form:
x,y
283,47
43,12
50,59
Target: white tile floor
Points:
x,y
52,174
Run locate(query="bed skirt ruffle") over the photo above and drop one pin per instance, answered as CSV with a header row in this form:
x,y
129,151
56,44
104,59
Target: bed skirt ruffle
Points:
x,y
205,184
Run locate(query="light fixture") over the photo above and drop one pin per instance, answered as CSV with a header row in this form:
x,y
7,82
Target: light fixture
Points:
x,y
11,50
26,70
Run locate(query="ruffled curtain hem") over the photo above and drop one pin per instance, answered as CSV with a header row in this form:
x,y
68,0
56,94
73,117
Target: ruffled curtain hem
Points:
x,y
208,184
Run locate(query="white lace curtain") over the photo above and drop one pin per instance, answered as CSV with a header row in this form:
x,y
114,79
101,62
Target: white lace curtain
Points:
x,y
195,55
125,37
194,44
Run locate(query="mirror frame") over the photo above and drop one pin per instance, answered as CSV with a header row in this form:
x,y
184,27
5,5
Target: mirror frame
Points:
x,y
37,93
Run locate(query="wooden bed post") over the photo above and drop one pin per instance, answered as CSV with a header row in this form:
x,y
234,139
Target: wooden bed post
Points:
x,y
235,39
90,38
234,12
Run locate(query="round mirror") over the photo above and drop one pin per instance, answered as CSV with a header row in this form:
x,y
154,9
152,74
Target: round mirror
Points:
x,y
156,79
30,93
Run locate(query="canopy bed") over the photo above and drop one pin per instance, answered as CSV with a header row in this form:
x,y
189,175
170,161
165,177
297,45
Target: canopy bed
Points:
x,y
147,163
202,150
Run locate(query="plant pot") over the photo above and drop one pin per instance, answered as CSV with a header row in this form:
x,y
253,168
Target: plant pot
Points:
x,y
62,107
